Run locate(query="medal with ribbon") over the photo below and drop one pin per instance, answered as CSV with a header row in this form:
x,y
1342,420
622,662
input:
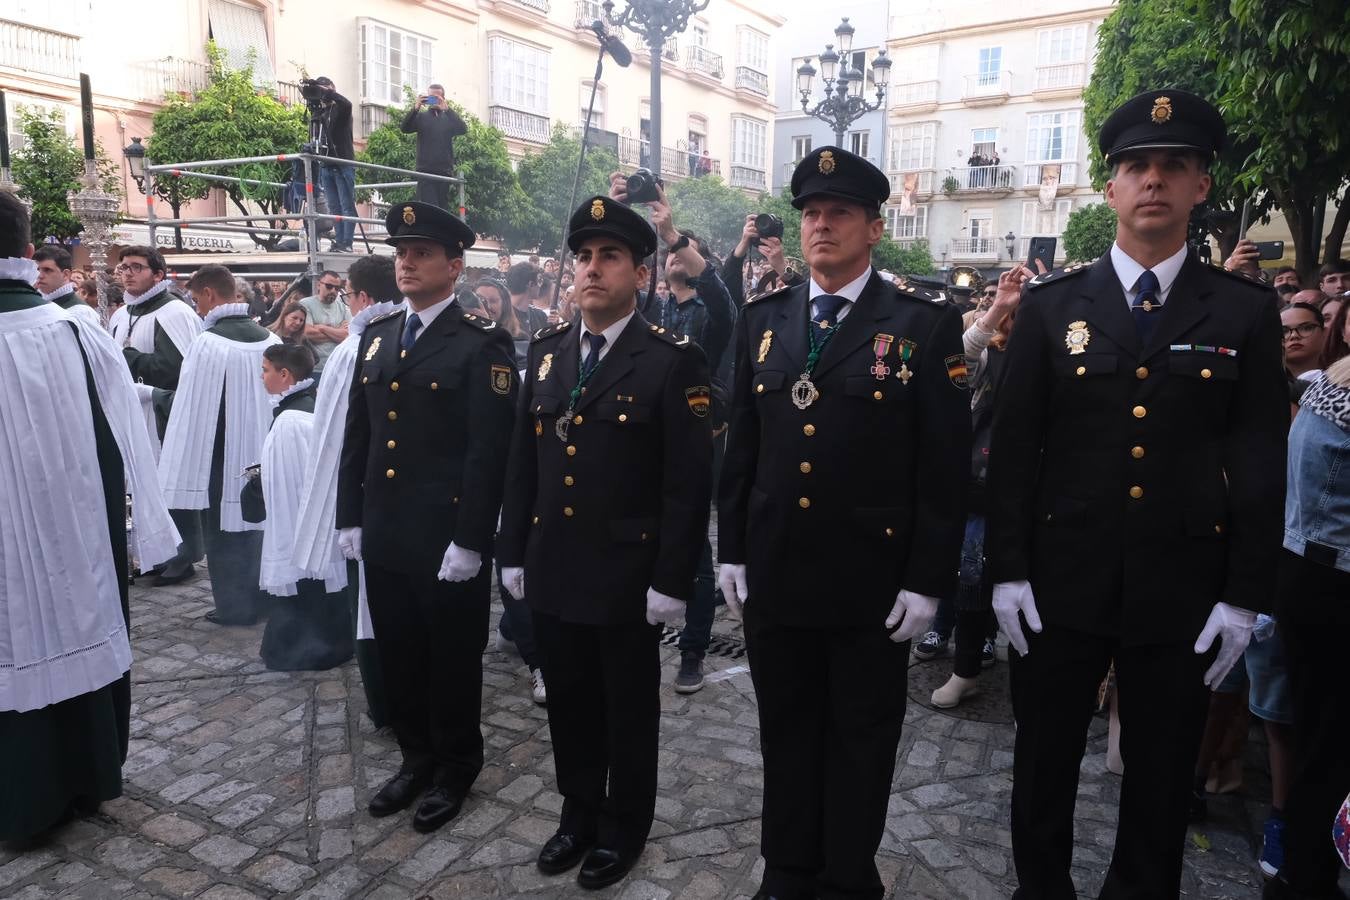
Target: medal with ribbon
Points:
x,y
881,345
906,350
804,391
564,422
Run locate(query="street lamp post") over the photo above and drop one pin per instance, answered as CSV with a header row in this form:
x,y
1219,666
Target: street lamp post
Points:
x,y
655,20
843,103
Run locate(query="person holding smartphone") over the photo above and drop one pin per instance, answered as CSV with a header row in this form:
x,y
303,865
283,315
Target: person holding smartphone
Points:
x,y
436,126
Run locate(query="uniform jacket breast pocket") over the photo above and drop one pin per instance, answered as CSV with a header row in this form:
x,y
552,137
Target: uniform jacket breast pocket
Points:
x,y
768,383
1212,367
441,379
1086,365
543,406
868,388
623,413
372,375
1061,510
633,531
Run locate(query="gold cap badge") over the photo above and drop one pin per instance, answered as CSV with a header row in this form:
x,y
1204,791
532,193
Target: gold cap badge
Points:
x,y
1162,110
598,210
827,162
409,216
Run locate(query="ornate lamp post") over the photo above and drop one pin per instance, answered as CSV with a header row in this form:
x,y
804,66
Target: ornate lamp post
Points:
x,y
843,103
96,209
655,20
1011,240
7,182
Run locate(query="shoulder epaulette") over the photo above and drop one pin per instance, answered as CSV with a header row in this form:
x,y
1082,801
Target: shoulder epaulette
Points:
x,y
481,322
670,337
1243,276
552,330
772,295
1057,274
388,315
919,293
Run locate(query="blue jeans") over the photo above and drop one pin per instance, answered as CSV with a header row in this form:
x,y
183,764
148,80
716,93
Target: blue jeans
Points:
x,y
698,615
339,190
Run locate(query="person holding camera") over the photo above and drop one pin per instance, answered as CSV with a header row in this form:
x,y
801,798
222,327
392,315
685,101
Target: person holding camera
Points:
x,y
764,232
436,126
699,306
334,114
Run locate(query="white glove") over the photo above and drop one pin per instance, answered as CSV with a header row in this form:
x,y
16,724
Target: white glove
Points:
x,y
144,392
349,542
1010,598
663,608
1232,625
459,564
513,579
913,613
731,579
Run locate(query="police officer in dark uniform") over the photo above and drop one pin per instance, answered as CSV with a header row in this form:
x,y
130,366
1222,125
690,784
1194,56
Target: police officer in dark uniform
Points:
x,y
605,515
423,458
1136,491
841,514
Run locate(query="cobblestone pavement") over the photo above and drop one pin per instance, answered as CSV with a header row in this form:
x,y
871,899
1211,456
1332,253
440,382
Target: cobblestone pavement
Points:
x,y
246,783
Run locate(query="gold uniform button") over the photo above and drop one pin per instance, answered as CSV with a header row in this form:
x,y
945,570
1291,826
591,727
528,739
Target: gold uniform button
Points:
x,y
1136,492
890,532
808,430
454,499
877,395
804,502
393,416
1141,373
568,511
435,386
1140,412
393,385
806,468
1137,452
1218,529
571,450
535,521
392,444
1081,370
365,379
1206,373
759,389
644,535
576,420
623,417
569,480
389,474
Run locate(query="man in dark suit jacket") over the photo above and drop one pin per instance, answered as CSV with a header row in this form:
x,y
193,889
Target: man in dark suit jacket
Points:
x,y
606,512
1136,485
428,430
841,515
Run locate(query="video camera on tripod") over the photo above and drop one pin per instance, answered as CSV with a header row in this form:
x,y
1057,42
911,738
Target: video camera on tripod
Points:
x,y
317,94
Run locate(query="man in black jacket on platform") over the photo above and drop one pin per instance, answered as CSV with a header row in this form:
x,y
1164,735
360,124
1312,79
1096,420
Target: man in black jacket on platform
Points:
x,y
436,126
606,512
1136,485
841,513
419,487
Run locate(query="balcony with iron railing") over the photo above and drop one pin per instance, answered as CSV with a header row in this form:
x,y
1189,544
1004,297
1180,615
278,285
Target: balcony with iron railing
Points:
x,y
987,88
1034,173
1069,77
907,242
979,248
923,185
753,80
670,50
747,177
983,179
171,76
373,115
288,92
520,125
39,51
913,96
540,5
702,61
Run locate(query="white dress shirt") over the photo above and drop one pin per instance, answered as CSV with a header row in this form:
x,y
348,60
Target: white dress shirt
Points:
x,y
1128,271
849,292
427,315
610,334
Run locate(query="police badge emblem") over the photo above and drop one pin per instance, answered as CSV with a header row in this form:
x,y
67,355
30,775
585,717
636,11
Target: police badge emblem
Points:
x,y
545,366
1162,111
1077,337
598,210
409,217
374,348
827,162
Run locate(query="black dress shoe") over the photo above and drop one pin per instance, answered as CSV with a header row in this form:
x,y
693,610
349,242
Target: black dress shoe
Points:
x,y
398,793
562,852
604,867
214,618
174,576
439,806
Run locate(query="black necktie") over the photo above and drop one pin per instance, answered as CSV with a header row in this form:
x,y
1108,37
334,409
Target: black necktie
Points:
x,y
410,331
1147,306
827,310
593,344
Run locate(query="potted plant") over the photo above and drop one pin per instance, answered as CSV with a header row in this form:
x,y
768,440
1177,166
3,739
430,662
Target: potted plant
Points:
x,y
950,185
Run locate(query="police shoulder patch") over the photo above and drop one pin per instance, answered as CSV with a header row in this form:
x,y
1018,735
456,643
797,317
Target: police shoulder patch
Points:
x,y
1056,275
1242,276
772,295
480,322
397,311
916,292
551,330
670,337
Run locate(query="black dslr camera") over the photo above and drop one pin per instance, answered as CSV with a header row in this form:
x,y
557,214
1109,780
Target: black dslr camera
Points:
x,y
768,226
641,187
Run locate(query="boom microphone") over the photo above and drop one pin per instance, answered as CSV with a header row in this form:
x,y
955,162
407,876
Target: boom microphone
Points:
x,y
613,46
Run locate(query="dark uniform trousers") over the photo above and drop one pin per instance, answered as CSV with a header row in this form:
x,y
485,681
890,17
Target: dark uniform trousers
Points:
x,y
619,507
1134,484
422,467
834,509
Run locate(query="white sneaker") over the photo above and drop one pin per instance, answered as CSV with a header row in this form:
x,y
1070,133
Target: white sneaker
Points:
x,y
954,691
538,691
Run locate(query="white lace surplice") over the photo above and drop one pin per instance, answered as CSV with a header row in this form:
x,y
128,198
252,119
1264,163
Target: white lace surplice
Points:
x,y
285,458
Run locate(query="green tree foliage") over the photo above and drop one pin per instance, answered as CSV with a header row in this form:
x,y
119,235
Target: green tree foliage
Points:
x,y
48,167
546,178
494,203
229,119
1089,232
916,259
711,209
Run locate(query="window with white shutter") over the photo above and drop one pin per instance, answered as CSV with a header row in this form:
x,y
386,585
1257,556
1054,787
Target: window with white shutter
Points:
x,y
241,32
392,59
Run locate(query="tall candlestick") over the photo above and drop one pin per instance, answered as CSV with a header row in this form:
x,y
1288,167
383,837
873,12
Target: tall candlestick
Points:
x,y
87,115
